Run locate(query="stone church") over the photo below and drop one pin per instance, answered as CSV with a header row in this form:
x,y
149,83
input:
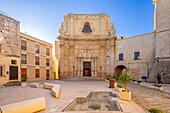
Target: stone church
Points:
x,y
88,46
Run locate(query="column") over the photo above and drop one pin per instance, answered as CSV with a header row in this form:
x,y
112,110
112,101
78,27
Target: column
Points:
x,y
95,67
92,68
61,65
77,71
81,64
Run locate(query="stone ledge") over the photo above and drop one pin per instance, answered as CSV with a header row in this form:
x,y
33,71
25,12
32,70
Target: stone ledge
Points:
x,y
28,106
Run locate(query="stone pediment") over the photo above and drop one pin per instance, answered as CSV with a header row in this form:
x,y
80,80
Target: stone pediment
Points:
x,y
87,25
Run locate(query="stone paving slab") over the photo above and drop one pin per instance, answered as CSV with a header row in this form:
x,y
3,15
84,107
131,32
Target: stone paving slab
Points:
x,y
166,87
69,91
146,96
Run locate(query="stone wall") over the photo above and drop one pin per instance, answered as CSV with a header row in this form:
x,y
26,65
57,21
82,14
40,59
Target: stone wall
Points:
x,y
161,66
9,36
9,47
162,32
162,28
145,44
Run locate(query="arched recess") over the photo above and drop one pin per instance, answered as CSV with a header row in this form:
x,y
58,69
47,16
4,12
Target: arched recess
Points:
x,y
120,69
86,28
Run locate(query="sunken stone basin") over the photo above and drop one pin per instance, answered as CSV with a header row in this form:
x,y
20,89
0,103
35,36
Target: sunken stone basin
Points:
x,y
95,101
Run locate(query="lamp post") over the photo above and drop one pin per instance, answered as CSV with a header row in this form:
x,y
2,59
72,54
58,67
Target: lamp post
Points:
x,y
100,71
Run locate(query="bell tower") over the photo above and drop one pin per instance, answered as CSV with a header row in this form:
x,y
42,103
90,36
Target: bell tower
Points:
x,y
162,28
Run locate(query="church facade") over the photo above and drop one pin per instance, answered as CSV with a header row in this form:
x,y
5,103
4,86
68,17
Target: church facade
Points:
x,y
86,45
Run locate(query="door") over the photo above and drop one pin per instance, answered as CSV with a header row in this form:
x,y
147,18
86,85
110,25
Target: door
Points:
x,y
86,68
23,72
47,74
1,71
13,73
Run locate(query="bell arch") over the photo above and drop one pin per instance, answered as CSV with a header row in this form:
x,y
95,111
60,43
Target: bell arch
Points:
x,y
86,28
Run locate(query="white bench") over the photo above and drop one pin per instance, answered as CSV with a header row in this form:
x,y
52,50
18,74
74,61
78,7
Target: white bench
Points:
x,y
55,91
35,85
48,86
28,106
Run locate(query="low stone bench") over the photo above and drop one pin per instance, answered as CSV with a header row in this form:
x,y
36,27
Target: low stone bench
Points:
x,y
28,106
48,86
55,91
35,85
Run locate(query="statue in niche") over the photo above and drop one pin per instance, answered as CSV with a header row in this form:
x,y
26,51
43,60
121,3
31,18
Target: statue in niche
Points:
x,y
87,54
108,60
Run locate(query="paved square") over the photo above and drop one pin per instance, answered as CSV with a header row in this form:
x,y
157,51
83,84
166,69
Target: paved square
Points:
x,y
69,91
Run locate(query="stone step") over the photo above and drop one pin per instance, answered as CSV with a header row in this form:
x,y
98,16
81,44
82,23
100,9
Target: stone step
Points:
x,y
71,78
13,83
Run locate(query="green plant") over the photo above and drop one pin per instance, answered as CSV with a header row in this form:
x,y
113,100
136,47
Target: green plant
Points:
x,y
24,79
114,77
119,86
154,110
125,79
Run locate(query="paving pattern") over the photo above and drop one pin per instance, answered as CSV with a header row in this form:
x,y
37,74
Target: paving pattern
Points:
x,y
69,91
148,96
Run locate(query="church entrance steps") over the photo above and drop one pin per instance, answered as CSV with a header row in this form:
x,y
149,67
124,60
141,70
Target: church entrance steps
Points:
x,y
71,78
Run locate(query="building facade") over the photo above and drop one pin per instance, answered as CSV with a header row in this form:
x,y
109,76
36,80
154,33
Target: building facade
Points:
x,y
86,45
89,46
161,63
9,49
22,55
36,58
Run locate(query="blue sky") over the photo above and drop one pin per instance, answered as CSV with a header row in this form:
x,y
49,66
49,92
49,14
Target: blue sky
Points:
x,y
42,18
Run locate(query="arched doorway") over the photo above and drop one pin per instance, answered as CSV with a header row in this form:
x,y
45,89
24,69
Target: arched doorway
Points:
x,y
120,69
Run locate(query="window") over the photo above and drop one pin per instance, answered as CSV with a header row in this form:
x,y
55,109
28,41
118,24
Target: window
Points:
x,y
47,62
23,72
1,71
37,60
0,48
13,62
47,51
37,48
23,45
136,55
47,74
23,59
37,73
86,28
121,56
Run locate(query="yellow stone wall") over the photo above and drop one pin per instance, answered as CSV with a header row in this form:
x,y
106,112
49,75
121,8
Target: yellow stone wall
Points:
x,y
31,41
145,44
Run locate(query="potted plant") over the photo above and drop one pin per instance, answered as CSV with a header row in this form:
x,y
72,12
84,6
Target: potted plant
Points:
x,y
120,88
112,82
125,79
23,81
